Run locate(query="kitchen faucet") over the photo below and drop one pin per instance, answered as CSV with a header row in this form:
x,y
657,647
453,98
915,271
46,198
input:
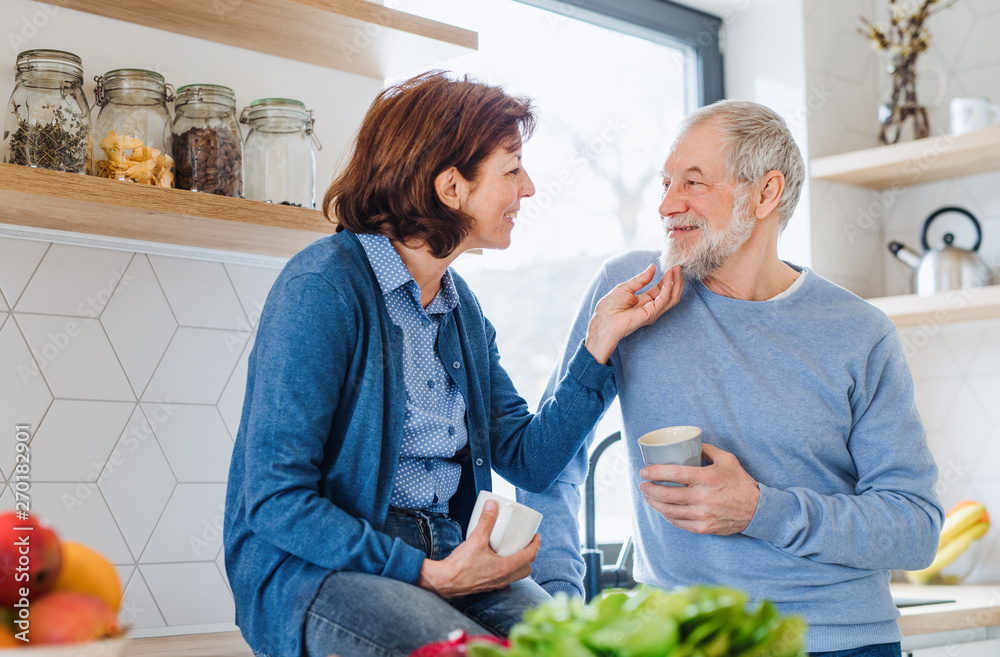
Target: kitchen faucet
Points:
x,y
598,576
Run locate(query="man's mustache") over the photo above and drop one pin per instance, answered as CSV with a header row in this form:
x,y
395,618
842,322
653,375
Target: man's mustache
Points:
x,y
686,221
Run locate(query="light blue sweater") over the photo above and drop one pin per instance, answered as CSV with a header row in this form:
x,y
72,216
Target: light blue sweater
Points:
x,y
813,395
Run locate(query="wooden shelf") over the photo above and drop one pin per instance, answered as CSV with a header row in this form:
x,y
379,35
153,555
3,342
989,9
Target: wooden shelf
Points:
x,y
943,308
914,162
356,36
87,204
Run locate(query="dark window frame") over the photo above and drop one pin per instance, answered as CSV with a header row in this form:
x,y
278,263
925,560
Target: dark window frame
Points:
x,y
661,20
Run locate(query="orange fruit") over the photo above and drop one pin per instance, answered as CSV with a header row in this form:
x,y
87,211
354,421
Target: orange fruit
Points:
x,y
7,639
985,517
87,571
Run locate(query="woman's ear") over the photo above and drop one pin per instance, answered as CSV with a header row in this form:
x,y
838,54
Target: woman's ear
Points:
x,y
770,193
448,186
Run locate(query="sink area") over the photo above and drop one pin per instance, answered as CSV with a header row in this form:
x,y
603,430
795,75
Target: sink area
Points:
x,y
918,602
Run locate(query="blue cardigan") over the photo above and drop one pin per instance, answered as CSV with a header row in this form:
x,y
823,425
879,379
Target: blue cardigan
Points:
x,y
319,439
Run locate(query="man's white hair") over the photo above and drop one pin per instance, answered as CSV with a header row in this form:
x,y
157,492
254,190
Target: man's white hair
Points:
x,y
755,140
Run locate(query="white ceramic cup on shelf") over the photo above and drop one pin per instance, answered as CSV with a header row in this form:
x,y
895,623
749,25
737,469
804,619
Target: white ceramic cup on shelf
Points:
x,y
515,526
971,114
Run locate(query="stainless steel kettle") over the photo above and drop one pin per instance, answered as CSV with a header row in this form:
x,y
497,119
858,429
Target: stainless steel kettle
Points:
x,y
948,267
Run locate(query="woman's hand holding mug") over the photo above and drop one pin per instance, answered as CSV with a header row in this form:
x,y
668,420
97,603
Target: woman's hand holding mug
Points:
x,y
473,567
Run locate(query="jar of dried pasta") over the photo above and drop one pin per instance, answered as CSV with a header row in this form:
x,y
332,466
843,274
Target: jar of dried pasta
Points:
x,y
132,132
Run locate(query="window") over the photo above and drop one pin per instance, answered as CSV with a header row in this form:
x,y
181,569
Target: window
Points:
x,y
610,79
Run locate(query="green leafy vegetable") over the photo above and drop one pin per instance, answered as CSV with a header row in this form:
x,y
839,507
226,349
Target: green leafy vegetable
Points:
x,y
699,621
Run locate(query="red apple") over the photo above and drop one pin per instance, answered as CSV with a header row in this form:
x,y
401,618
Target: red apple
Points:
x,y
457,645
30,559
70,617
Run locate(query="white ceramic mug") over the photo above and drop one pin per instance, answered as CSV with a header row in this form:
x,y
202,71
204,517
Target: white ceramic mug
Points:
x,y
672,446
515,526
971,114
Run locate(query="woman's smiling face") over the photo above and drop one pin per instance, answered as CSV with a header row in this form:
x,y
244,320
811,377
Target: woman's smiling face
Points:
x,y
494,199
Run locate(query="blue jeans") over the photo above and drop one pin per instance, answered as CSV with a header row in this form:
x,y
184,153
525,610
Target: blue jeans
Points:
x,y
362,615
877,650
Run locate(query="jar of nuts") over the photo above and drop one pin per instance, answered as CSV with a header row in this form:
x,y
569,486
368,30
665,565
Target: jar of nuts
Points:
x,y
132,132
208,147
280,151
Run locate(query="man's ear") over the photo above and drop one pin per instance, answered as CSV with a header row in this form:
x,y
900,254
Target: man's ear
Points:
x,y
772,185
448,186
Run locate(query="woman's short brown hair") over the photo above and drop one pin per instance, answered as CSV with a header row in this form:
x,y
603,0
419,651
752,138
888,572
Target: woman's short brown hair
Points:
x,y
413,131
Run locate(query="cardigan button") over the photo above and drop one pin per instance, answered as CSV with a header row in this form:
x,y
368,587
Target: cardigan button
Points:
x,y
456,365
479,462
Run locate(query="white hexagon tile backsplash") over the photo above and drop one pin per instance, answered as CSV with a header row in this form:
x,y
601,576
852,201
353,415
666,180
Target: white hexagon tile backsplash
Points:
x,y
139,322
130,368
956,371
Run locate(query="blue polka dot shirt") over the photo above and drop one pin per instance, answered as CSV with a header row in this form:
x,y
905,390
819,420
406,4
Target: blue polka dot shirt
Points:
x,y
434,428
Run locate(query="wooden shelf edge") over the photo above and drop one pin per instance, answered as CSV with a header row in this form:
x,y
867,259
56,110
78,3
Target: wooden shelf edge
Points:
x,y
913,163
355,36
84,204
943,308
375,13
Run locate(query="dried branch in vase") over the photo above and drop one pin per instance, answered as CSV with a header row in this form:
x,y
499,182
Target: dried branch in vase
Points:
x,y
903,38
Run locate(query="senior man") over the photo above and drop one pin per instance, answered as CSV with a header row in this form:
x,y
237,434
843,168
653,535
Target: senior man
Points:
x,y
818,478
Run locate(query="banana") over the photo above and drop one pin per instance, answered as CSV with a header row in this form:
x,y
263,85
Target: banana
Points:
x,y
949,552
960,518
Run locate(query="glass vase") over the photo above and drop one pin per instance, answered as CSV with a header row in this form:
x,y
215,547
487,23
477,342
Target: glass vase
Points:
x,y
901,116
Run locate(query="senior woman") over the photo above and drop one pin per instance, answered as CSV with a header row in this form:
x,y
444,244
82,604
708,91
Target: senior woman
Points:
x,y
376,404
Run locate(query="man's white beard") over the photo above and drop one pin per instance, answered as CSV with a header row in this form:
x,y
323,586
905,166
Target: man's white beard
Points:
x,y
713,248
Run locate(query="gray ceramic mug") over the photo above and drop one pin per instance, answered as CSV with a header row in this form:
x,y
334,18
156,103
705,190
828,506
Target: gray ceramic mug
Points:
x,y
672,446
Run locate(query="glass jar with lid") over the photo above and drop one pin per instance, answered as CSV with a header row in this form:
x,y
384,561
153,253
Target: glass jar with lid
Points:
x,y
207,147
132,132
47,124
279,156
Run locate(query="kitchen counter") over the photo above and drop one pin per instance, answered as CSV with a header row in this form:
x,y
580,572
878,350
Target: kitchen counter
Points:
x,y
214,644
973,616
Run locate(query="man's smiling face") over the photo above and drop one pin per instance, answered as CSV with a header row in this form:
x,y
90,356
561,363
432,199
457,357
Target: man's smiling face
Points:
x,y
704,218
